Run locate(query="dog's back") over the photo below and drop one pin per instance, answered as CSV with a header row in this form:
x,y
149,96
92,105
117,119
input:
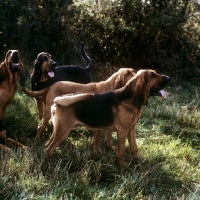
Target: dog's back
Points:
x,y
45,73
71,73
96,110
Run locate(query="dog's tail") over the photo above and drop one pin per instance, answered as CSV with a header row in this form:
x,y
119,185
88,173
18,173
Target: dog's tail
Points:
x,y
68,99
36,93
87,58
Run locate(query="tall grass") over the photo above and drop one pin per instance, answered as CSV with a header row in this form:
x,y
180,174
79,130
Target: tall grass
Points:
x,y
168,138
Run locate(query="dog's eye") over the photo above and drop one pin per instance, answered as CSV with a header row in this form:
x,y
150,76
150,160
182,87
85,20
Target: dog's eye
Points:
x,y
45,58
153,75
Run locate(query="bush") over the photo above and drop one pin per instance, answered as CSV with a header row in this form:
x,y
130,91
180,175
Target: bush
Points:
x,y
161,35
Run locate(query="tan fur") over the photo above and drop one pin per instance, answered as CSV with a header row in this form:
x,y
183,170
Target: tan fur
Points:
x,y
8,88
125,113
117,80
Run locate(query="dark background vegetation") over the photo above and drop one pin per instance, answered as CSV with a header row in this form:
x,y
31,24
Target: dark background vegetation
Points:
x,y
159,34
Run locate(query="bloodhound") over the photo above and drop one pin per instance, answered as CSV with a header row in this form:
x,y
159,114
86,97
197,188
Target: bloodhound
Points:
x,y
45,73
117,80
118,110
11,70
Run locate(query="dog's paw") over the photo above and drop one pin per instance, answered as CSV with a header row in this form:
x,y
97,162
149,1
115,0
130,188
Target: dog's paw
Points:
x,y
25,147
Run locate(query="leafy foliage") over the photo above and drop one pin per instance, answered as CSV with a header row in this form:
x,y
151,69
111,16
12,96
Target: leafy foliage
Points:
x,y
143,34
159,34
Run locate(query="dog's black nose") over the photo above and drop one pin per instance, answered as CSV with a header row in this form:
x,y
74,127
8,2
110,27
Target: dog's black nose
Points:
x,y
167,79
15,56
53,64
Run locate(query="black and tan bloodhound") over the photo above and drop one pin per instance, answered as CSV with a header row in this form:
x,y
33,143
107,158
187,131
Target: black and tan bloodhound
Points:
x,y
118,110
46,72
11,71
117,80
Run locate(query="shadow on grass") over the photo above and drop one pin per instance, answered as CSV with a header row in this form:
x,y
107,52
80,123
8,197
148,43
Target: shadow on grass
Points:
x,y
147,177
153,179
76,170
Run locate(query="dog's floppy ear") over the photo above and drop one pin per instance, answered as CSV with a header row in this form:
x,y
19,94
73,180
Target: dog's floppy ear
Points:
x,y
141,89
3,71
4,67
7,55
126,75
37,72
118,82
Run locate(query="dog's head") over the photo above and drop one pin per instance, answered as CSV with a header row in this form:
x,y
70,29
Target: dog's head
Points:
x,y
43,65
12,66
122,76
149,83
13,61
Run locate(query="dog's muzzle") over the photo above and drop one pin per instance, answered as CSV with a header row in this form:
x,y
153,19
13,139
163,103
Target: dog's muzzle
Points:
x,y
14,61
50,73
14,67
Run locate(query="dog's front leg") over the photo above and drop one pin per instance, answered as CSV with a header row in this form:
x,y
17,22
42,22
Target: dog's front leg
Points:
x,y
132,142
121,137
10,141
39,104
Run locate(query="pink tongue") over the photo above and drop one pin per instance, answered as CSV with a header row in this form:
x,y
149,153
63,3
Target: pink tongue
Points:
x,y
163,93
51,74
15,64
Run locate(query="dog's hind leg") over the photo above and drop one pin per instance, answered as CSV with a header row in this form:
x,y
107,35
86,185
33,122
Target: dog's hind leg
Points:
x,y
49,141
41,128
63,122
59,135
108,140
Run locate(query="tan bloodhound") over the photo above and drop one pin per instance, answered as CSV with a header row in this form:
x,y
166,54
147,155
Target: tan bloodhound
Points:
x,y
11,70
117,80
118,110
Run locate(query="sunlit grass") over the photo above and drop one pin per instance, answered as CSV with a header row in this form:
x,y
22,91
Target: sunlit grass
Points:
x,y
168,138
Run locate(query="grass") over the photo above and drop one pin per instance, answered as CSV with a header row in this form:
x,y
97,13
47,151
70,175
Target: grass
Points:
x,y
168,138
